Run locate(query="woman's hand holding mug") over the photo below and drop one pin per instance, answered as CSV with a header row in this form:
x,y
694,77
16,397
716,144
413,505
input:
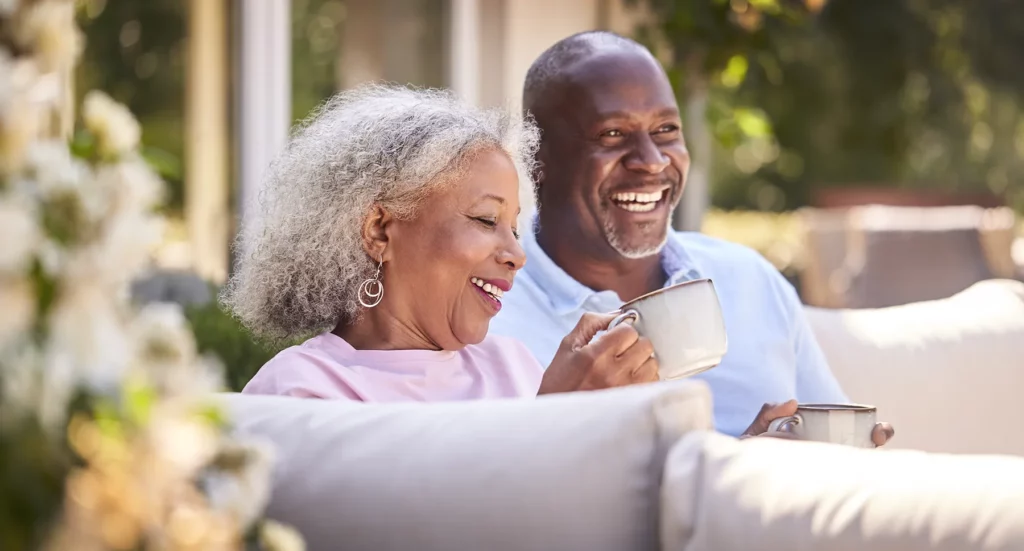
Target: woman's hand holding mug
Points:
x,y
620,357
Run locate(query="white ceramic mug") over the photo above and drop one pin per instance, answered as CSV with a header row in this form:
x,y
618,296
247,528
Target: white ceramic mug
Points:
x,y
847,424
684,323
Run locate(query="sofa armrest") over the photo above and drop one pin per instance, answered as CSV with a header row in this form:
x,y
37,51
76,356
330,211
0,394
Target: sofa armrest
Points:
x,y
947,374
765,493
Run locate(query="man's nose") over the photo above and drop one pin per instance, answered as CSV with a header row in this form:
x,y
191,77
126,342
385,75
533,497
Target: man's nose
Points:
x,y
645,156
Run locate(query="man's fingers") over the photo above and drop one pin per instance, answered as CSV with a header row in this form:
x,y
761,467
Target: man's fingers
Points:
x,y
769,413
882,433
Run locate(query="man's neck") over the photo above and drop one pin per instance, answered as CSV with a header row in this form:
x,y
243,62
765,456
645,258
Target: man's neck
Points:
x,y
628,277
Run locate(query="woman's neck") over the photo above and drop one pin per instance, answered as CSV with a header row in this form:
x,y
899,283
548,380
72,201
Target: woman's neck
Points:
x,y
378,329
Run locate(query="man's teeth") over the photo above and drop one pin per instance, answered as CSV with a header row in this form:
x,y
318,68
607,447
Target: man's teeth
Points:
x,y
490,289
639,197
638,202
637,207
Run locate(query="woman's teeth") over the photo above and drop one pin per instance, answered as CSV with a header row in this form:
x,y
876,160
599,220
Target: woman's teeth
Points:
x,y
490,289
638,202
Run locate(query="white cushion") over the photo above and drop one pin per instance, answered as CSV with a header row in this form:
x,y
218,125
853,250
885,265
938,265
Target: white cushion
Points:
x,y
764,493
577,471
948,374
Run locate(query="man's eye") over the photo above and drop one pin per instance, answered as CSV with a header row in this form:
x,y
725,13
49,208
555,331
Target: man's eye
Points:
x,y
515,233
668,128
487,222
613,133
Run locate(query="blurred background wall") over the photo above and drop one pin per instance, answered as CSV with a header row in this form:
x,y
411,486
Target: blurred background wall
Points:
x,y
797,112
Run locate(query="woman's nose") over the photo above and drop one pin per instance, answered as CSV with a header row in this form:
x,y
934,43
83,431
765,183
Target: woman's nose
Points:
x,y
512,255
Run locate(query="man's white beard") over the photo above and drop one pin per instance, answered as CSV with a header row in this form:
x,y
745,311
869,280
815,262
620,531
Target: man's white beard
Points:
x,y
644,252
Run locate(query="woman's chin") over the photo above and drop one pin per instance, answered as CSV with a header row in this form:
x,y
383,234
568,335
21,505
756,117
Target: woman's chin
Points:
x,y
475,335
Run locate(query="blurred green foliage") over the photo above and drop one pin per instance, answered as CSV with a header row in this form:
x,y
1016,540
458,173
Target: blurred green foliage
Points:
x,y
815,93
32,478
316,28
803,93
135,51
221,335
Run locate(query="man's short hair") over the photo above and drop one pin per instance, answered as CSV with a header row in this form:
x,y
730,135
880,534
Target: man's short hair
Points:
x,y
549,66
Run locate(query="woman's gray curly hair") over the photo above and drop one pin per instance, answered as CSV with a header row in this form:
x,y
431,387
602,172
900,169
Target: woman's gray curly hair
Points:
x,y
301,257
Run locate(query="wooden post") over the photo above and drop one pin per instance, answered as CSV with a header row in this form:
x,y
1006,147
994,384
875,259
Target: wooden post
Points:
x,y
207,214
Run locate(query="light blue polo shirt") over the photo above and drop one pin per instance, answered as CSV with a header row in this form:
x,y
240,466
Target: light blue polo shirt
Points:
x,y
772,357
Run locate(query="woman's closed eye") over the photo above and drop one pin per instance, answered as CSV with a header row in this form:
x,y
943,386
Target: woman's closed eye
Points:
x,y
489,222
493,223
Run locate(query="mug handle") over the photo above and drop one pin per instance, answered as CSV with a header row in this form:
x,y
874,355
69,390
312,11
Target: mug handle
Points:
x,y
621,318
785,424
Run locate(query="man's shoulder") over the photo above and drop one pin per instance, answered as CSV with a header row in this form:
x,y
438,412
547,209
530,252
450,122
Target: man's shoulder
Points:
x,y
735,266
720,252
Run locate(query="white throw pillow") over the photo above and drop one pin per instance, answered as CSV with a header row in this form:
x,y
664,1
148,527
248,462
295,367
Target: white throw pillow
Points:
x,y
948,374
578,471
763,493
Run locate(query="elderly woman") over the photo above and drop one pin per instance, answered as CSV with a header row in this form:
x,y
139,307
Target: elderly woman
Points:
x,y
388,229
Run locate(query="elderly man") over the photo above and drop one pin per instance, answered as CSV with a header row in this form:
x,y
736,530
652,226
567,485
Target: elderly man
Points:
x,y
613,166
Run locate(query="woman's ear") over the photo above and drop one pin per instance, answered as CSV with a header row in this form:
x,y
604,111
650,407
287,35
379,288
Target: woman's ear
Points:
x,y
376,232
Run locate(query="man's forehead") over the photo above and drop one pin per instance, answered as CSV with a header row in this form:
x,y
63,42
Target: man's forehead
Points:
x,y
617,84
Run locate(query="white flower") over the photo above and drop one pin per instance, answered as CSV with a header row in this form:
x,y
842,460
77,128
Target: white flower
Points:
x,y
87,339
20,233
132,183
48,29
113,251
278,537
54,170
117,132
240,485
165,355
52,257
125,247
18,304
160,334
185,442
33,388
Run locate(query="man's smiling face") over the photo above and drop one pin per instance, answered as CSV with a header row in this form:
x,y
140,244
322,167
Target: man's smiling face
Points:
x,y
613,156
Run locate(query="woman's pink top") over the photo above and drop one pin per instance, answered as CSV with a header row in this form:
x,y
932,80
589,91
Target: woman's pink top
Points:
x,y
326,366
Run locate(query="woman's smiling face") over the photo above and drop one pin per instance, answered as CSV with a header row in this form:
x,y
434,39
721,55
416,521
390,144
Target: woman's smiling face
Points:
x,y
447,267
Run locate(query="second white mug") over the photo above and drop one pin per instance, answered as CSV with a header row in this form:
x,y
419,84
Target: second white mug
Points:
x,y
846,424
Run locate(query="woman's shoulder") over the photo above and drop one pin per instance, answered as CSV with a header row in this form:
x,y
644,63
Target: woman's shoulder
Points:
x,y
507,349
309,369
316,350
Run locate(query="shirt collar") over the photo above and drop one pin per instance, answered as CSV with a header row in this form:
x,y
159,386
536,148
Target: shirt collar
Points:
x,y
568,295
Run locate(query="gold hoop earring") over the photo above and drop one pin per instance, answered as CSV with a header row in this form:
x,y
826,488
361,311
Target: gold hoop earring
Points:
x,y
372,288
